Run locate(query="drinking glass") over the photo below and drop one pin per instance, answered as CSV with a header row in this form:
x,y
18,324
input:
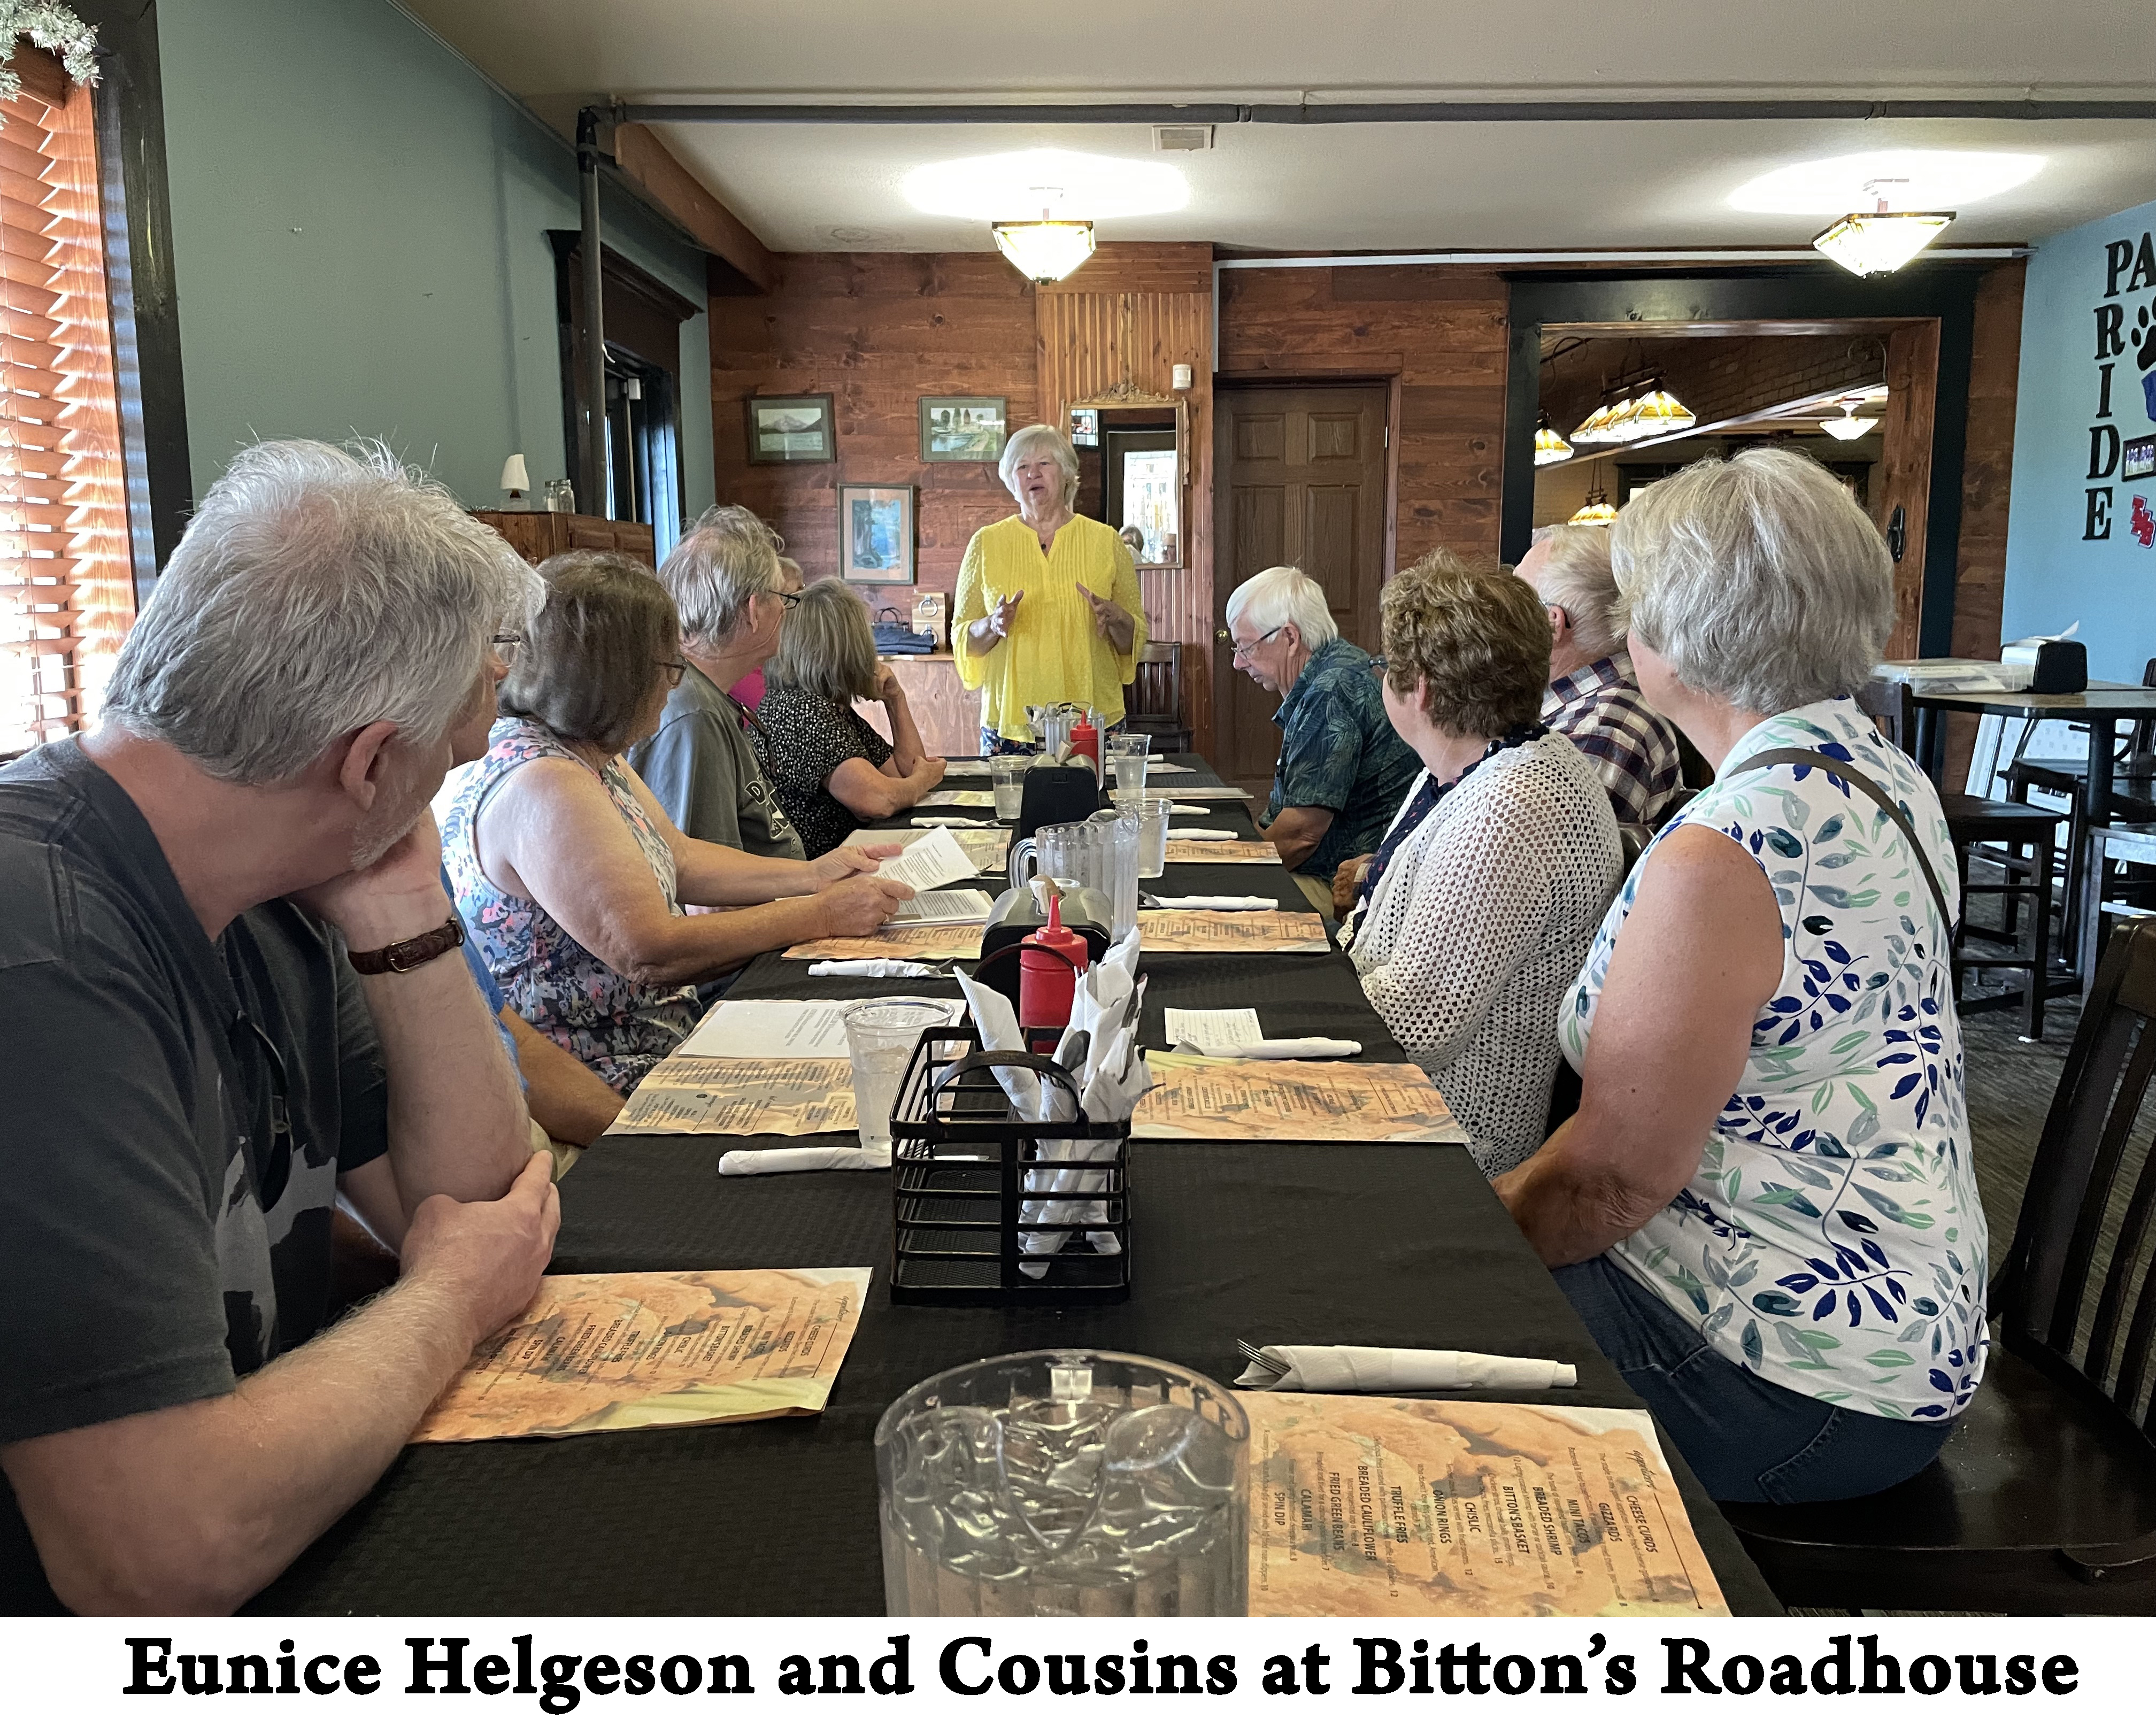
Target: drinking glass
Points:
x,y
1065,1483
1119,867
880,1041
1127,753
1007,775
1152,812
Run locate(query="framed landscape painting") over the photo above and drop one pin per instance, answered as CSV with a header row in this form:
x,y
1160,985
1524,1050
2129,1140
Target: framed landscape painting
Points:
x,y
961,427
876,533
790,429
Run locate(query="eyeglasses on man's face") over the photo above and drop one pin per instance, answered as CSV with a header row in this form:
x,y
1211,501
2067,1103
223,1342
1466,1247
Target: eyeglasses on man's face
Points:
x,y
673,672
1242,652
791,599
506,645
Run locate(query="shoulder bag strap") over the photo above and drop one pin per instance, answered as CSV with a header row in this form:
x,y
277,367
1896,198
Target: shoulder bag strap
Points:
x,y
1872,791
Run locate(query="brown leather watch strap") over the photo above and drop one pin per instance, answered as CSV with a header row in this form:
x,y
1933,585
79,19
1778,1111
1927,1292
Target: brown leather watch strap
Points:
x,y
412,952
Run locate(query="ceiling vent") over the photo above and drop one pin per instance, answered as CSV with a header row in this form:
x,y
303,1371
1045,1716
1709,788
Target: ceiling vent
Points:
x,y
1182,137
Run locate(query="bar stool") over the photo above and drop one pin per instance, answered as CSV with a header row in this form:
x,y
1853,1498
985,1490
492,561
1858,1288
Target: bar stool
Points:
x,y
2014,836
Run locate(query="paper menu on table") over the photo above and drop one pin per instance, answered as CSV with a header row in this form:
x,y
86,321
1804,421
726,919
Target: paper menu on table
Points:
x,y
943,907
929,863
965,766
1216,1032
1207,1098
742,1095
961,796
1388,1507
780,1026
611,1351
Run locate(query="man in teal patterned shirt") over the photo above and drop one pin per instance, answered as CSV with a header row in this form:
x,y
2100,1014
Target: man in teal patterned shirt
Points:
x,y
1342,771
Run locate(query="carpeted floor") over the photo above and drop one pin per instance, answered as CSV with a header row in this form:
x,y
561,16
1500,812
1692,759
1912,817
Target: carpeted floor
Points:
x,y
2011,1084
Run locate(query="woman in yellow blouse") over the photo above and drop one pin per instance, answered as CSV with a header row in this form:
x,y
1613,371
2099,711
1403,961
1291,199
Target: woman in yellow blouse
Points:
x,y
1048,610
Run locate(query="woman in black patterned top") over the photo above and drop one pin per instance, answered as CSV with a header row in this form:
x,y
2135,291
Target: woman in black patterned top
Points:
x,y
830,769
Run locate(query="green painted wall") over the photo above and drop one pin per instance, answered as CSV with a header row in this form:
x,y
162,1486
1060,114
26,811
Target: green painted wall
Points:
x,y
359,228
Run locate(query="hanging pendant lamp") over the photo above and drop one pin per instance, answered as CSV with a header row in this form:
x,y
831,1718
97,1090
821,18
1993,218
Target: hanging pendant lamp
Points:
x,y
1598,512
1551,448
1658,412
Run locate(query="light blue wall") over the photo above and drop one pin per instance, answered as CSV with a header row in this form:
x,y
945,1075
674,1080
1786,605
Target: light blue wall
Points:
x,y
2055,575
359,229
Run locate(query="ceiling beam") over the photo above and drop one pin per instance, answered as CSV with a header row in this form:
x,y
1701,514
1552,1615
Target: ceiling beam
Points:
x,y
642,158
1352,113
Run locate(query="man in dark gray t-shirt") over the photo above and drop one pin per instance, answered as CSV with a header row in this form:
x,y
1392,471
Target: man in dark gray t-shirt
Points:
x,y
704,772
225,1008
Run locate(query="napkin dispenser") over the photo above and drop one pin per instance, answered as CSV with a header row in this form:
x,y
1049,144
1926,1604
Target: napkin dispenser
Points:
x,y
1057,794
1015,912
2054,665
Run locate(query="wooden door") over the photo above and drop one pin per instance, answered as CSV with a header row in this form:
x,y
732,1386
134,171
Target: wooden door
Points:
x,y
1300,480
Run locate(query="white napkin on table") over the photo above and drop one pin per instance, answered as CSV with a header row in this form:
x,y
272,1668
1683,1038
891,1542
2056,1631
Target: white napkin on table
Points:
x,y
882,967
1196,834
932,821
1219,903
1329,1369
779,1159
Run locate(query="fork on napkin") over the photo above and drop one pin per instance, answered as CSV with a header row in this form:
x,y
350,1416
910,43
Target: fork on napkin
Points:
x,y
1330,1369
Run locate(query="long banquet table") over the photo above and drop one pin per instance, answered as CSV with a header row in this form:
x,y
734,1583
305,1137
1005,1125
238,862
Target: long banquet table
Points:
x,y
1275,1241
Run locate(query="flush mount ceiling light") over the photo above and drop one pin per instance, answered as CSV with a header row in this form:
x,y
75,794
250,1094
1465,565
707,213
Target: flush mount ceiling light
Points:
x,y
1080,188
1598,512
1551,448
1848,427
1938,178
1045,250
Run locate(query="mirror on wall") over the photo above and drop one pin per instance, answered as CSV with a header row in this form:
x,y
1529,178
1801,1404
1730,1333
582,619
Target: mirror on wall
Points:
x,y
1130,467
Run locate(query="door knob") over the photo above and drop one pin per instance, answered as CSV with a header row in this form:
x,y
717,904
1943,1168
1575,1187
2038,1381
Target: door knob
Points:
x,y
1222,635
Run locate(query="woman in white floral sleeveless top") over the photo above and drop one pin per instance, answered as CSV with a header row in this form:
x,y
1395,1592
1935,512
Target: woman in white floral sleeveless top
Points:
x,y
1765,1207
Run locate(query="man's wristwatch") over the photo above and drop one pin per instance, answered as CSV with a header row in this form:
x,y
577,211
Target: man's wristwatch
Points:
x,y
412,952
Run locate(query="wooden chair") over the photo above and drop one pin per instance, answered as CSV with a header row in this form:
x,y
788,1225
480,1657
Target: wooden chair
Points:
x,y
1155,704
2044,1499
2014,836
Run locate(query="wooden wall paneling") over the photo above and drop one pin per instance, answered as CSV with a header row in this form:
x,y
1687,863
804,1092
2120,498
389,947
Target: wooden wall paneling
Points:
x,y
948,715
1905,467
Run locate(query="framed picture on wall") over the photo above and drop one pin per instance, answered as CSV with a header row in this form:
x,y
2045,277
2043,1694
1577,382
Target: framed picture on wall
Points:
x,y
961,428
876,533
790,429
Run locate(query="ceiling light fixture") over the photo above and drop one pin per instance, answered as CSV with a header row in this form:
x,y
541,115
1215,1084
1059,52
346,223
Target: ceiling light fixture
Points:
x,y
1848,427
1881,241
1595,425
1551,448
1598,512
1045,250
1658,412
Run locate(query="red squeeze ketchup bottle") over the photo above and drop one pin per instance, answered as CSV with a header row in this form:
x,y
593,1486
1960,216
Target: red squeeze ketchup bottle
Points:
x,y
1085,740
1046,984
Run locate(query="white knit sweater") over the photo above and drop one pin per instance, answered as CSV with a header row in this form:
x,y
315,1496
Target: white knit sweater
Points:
x,y
1475,934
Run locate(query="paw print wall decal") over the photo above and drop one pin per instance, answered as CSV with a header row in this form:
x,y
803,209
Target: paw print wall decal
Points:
x,y
2144,523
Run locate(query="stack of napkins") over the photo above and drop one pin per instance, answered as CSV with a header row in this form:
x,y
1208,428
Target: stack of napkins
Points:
x,y
1329,1370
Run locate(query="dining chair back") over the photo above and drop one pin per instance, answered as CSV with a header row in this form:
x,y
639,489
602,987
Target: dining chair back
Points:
x,y
1155,704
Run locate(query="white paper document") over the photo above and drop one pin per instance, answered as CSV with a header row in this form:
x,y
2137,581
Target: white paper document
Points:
x,y
943,907
775,1028
965,766
1215,1031
929,863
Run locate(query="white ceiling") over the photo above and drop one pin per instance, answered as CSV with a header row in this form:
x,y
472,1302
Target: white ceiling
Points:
x,y
1367,186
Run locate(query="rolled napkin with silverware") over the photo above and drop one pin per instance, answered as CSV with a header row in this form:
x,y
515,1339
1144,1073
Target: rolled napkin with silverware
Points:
x,y
1297,1050
881,967
1194,833
778,1160
931,820
1330,1369
1216,904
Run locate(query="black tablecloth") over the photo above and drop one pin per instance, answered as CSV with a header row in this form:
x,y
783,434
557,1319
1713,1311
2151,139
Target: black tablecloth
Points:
x,y
1274,1242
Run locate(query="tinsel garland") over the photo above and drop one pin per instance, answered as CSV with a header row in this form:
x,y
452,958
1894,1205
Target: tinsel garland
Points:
x,y
53,27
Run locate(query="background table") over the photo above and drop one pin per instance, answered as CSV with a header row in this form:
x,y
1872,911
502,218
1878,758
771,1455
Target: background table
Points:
x,y
1272,1241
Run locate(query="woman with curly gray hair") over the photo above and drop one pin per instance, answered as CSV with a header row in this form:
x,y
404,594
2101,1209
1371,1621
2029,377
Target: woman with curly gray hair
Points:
x,y
1764,1208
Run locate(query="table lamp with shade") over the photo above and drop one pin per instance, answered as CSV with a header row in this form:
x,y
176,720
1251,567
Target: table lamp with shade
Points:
x,y
514,479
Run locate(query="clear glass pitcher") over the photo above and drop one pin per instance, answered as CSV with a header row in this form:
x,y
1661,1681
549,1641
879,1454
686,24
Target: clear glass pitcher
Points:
x,y
1100,854
1051,726
1065,1483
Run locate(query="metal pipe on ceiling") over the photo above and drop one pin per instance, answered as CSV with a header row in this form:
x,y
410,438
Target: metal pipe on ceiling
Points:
x,y
1354,113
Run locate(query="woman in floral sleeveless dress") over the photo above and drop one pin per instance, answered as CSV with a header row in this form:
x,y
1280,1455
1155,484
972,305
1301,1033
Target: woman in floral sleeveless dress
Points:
x,y
1765,1209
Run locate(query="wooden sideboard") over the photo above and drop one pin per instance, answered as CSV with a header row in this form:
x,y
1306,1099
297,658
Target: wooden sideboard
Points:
x,y
948,715
536,536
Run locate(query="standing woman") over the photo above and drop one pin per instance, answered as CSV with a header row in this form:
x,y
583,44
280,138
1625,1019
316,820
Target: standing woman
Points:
x,y
1048,610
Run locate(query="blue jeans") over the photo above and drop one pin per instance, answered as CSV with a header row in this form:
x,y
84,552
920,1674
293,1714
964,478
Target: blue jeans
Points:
x,y
1750,1441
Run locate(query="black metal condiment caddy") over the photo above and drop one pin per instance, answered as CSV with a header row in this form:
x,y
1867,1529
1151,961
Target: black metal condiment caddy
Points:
x,y
964,1164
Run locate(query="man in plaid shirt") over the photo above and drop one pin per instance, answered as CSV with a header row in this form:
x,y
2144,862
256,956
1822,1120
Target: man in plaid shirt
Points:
x,y
1593,698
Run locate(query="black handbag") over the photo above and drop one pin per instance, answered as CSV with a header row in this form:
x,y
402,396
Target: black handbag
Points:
x,y
894,638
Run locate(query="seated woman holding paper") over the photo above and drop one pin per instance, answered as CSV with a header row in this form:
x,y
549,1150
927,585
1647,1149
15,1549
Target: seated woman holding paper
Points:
x,y
830,769
1480,901
568,875
1764,1208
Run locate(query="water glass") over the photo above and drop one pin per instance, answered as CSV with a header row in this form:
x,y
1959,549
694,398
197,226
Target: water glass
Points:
x,y
1127,752
1065,1483
880,1041
1007,776
1152,812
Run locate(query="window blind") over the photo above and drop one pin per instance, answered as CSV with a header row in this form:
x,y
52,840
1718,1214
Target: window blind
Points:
x,y
66,589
